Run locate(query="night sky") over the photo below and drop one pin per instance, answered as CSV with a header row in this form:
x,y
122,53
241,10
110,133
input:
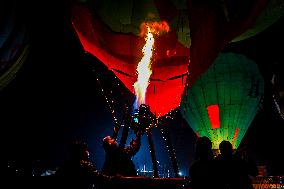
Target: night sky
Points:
x,y
55,98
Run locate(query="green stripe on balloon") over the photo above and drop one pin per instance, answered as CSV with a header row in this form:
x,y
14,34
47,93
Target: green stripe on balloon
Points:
x,y
229,92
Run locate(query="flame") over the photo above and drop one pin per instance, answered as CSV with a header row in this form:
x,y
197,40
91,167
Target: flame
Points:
x,y
144,67
144,70
157,28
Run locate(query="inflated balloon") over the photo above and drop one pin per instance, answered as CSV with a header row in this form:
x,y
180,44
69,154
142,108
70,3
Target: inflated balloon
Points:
x,y
213,24
13,44
222,103
271,13
111,31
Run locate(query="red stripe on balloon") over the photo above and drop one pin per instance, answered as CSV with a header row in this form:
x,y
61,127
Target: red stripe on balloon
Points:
x,y
236,133
213,113
197,134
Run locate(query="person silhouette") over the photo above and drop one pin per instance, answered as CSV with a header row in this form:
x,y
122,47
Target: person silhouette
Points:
x,y
235,171
203,171
78,163
80,169
226,163
226,150
118,159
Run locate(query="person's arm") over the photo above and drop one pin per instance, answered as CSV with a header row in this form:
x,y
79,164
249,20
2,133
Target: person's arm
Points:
x,y
145,118
134,146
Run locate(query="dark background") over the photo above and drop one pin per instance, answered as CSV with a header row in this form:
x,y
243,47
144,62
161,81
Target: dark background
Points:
x,y
56,98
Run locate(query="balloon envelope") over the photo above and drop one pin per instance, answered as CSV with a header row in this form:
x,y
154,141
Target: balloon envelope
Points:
x,y
222,103
110,29
271,13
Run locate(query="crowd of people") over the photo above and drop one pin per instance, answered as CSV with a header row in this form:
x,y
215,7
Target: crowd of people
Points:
x,y
227,170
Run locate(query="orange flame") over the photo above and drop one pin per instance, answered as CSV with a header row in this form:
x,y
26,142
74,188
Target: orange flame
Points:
x,y
144,67
157,28
144,70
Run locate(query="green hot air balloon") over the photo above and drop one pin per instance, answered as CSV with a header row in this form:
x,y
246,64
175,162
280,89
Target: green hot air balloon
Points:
x,y
222,103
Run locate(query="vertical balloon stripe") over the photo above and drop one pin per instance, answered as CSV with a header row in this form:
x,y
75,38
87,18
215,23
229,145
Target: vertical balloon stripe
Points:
x,y
213,114
236,133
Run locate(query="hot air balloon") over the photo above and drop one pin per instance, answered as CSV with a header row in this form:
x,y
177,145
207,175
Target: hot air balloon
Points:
x,y
111,31
13,44
213,24
222,103
273,11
